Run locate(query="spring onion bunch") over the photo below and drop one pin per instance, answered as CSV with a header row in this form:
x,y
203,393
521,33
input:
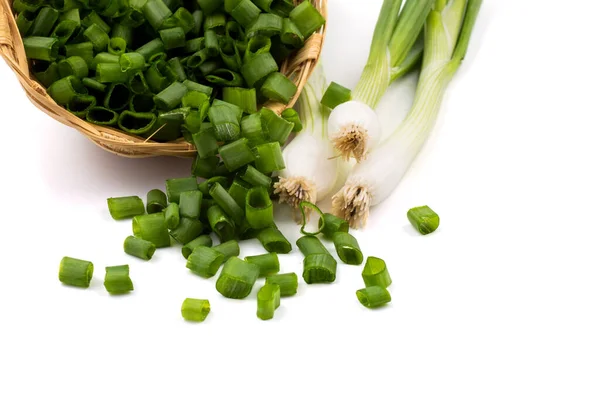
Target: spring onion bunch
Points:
x,y
311,167
354,127
447,33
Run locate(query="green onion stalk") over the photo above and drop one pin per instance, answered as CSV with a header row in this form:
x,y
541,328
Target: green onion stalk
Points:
x,y
354,127
312,170
447,33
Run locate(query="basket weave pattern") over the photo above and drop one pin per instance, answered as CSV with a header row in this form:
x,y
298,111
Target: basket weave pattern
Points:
x,y
298,68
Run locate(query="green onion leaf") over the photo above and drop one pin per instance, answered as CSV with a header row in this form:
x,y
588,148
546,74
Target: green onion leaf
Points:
x,y
229,249
177,186
172,217
319,268
152,228
187,230
335,95
259,208
202,241
347,248
279,88
269,158
292,116
274,241
307,18
236,154
331,224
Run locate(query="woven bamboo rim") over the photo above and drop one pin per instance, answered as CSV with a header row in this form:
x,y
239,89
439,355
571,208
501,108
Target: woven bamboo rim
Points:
x,y
298,68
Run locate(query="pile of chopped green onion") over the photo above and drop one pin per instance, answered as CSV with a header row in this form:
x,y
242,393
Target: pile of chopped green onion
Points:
x,y
163,69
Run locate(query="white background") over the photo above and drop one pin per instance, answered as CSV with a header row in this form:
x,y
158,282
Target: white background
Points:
x,y
503,301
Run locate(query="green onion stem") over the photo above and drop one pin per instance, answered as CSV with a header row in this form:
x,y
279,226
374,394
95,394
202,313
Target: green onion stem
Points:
x,y
376,273
156,201
125,207
268,301
259,208
190,203
75,272
202,241
152,228
229,249
172,217
187,230
205,261
237,278
274,241
319,268
288,283
177,186
373,297
195,309
347,248
268,264
139,248
117,280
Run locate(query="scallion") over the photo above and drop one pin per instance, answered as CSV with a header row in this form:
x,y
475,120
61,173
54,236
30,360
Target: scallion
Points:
x,y
117,280
75,272
195,309
237,278
139,248
268,301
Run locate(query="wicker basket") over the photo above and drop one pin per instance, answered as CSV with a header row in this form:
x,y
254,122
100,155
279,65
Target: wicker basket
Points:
x,y
298,68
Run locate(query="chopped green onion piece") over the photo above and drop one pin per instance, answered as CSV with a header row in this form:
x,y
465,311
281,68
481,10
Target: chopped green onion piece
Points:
x,y
81,104
152,228
373,297
288,283
137,122
269,158
177,67
243,98
277,128
265,25
117,45
225,77
132,62
216,22
220,223
184,19
257,45
306,215
202,241
123,32
41,48
227,203
172,37
170,97
252,129
259,208
104,58
172,217
229,249
85,50
424,219
187,230
94,85
206,185
25,21
347,248
237,279
268,301
194,45
46,72
139,248
196,100
198,17
319,268
190,203
125,207
151,48
292,116
225,120
195,309
243,11
291,35
75,66
206,143
205,261
205,167
142,103
278,88
335,95
94,18
274,241
252,176
156,201
63,31
310,245
193,86
331,224
102,116
256,69
376,273
117,97
156,13
264,5
236,154
117,280
75,272
238,191
44,22
268,264
307,18
111,73
98,37
209,6
177,186
230,54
